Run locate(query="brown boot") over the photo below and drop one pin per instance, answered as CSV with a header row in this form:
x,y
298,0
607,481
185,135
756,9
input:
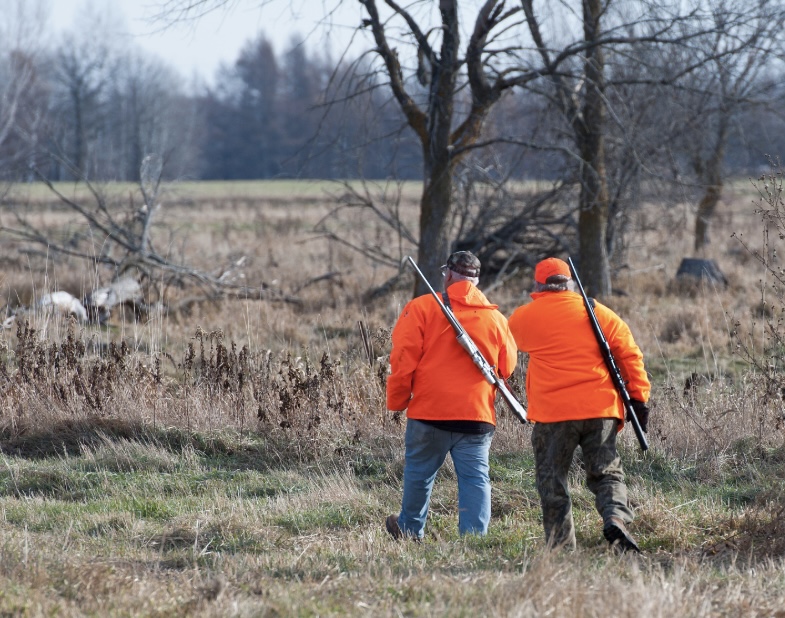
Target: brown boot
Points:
x,y
617,535
391,523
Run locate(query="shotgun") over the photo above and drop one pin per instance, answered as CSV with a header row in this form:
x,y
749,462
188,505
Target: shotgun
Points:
x,y
467,344
610,362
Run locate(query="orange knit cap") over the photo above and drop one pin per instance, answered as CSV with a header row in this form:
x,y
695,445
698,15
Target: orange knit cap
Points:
x,y
550,267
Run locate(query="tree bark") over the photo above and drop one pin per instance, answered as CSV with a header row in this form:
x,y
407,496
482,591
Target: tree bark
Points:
x,y
593,200
706,208
438,163
434,225
587,120
711,171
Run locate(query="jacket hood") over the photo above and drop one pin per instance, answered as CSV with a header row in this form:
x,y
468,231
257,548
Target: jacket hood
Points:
x,y
466,293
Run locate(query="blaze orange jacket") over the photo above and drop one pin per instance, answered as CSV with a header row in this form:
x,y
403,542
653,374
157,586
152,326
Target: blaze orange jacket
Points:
x,y
566,377
432,376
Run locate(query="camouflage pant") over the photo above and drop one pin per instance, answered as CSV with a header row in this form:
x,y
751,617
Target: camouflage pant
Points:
x,y
554,445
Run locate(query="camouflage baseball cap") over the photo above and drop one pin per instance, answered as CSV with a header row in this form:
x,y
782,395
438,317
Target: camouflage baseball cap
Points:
x,y
464,263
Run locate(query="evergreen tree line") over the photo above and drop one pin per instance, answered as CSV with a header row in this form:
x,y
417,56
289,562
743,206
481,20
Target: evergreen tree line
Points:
x,y
87,110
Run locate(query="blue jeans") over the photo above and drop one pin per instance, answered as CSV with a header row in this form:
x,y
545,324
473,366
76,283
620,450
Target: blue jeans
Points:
x,y
426,450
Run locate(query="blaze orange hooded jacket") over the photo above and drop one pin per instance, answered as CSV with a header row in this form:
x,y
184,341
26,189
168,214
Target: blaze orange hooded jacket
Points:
x,y
432,376
566,378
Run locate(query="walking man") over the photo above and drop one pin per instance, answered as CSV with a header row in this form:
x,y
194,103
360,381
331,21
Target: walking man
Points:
x,y
573,402
449,404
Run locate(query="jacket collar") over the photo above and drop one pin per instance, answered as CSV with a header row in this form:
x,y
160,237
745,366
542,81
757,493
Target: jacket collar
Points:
x,y
466,293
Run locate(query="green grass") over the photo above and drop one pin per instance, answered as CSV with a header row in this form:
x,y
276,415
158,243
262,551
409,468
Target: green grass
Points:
x,y
299,540
176,499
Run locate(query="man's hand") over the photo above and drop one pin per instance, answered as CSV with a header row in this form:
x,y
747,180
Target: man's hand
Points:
x,y
641,412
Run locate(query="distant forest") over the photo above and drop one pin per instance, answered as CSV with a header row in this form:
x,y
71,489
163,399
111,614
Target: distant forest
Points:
x,y
84,110
88,111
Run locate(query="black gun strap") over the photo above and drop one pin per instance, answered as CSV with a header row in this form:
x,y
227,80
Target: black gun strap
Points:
x,y
446,300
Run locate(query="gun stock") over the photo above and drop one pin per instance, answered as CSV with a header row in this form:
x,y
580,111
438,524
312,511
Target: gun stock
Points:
x,y
610,362
473,351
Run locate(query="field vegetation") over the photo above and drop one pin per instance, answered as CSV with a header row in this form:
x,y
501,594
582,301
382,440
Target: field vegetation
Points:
x,y
234,457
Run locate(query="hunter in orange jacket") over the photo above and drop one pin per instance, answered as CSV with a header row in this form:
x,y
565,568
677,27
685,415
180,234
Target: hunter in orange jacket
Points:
x,y
433,377
449,404
573,402
566,379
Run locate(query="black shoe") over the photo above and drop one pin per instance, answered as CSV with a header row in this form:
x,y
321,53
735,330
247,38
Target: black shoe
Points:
x,y
616,534
391,523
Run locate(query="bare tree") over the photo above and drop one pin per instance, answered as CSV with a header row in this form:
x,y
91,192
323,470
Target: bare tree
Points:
x,y
429,89
446,89
146,112
616,33
717,93
21,105
579,93
18,77
82,67
87,107
444,69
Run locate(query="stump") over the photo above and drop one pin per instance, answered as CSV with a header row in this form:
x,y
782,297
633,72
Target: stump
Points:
x,y
700,269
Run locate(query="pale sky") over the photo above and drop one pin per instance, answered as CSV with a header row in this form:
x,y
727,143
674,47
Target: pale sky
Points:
x,y
199,47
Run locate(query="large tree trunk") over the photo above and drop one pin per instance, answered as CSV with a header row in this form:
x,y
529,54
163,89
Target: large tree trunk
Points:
x,y
593,216
706,208
711,172
438,166
594,268
434,225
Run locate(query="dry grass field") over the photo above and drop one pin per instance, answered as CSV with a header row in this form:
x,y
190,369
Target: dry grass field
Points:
x,y
234,458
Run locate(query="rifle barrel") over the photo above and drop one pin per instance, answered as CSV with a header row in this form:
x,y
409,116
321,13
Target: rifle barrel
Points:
x,y
610,362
